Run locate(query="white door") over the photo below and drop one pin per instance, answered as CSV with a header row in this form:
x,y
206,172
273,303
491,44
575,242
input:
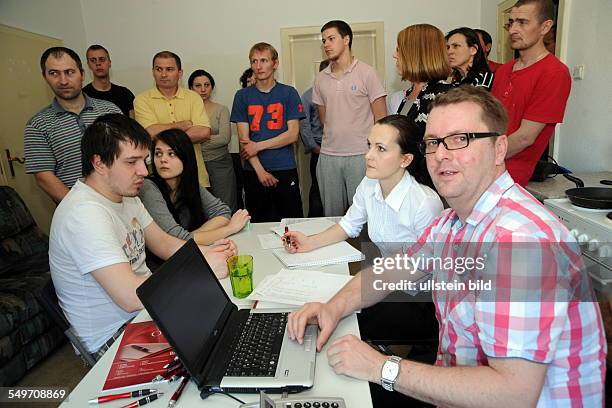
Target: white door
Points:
x,y
302,52
25,92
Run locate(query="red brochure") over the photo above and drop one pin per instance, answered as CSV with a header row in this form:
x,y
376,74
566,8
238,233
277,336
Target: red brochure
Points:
x,y
142,355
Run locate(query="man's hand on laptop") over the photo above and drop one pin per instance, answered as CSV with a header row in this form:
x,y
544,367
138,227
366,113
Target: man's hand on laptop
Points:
x,y
325,315
216,255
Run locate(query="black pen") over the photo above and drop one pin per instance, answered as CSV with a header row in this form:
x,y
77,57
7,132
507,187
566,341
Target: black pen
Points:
x,y
143,401
173,365
179,391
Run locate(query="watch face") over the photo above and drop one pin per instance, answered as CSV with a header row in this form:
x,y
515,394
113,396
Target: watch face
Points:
x,y
390,370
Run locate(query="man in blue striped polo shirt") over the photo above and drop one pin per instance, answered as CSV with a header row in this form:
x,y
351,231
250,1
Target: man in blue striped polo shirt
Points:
x,y
52,138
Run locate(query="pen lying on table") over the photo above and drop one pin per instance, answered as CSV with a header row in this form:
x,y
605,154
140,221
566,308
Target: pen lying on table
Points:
x,y
132,394
143,401
178,392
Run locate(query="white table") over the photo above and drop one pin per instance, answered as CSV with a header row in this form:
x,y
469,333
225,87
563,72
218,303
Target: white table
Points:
x,y
355,392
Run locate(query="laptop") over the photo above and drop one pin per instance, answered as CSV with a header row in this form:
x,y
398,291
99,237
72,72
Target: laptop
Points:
x,y
223,348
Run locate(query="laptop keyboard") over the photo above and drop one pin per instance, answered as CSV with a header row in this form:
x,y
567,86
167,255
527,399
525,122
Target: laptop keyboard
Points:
x,y
256,348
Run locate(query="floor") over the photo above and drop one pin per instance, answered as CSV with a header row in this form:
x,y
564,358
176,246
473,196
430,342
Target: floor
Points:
x,y
62,368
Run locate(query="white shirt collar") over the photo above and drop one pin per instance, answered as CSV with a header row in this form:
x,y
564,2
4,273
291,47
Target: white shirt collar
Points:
x,y
397,195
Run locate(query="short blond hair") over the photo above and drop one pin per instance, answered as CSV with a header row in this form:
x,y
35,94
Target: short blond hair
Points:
x,y
492,112
264,46
421,49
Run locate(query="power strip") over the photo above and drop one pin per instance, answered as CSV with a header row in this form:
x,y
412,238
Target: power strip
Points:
x,y
306,402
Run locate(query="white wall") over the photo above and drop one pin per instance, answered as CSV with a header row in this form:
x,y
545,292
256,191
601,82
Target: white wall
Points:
x,y
61,19
217,36
584,140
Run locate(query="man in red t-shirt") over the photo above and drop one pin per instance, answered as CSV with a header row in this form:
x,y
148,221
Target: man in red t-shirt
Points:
x,y
533,88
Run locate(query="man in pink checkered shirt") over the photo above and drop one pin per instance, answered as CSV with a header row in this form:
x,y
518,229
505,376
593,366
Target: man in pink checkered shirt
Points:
x,y
535,337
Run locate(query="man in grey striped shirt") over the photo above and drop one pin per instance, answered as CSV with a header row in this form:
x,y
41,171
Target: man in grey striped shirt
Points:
x,y
52,137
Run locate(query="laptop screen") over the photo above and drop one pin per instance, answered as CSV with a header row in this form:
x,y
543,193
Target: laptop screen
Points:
x,y
187,302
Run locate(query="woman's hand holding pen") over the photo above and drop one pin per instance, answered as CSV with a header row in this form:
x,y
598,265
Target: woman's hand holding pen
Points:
x,y
295,241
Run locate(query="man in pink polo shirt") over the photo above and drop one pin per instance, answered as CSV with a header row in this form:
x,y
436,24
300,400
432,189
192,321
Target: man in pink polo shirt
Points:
x,y
350,98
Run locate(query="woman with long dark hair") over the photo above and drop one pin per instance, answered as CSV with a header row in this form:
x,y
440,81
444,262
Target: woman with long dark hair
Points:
x,y
467,59
175,200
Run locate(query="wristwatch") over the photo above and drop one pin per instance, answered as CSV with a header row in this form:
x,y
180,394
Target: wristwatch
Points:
x,y
390,372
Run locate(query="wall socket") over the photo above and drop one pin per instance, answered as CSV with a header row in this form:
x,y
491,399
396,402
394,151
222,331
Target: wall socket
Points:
x,y
578,71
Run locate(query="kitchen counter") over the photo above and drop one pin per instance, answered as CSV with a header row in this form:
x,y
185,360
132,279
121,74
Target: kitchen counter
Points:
x,y
555,187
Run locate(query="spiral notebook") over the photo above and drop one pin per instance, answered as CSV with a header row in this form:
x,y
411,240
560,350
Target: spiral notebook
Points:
x,y
341,252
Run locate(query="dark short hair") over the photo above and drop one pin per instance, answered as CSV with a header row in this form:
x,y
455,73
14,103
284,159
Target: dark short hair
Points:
x,y
97,47
323,64
343,29
245,77
546,8
493,113
408,137
57,52
102,138
486,37
167,54
199,73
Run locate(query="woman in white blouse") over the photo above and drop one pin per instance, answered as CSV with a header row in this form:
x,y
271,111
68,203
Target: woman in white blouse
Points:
x,y
395,205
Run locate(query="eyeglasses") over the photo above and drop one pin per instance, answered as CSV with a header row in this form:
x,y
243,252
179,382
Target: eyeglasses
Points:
x,y
452,142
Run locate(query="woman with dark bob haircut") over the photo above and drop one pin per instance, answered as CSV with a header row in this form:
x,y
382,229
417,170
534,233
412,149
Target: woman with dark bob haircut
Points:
x,y
467,59
175,200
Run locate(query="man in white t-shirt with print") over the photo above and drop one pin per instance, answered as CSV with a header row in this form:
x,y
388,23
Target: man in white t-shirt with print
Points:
x,y
99,230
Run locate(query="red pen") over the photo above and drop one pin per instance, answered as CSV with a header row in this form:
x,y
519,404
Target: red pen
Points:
x,y
179,370
132,394
178,392
287,240
143,401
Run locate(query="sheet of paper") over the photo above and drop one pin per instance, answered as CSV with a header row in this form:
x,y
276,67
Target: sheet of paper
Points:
x,y
299,286
309,227
291,221
270,241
